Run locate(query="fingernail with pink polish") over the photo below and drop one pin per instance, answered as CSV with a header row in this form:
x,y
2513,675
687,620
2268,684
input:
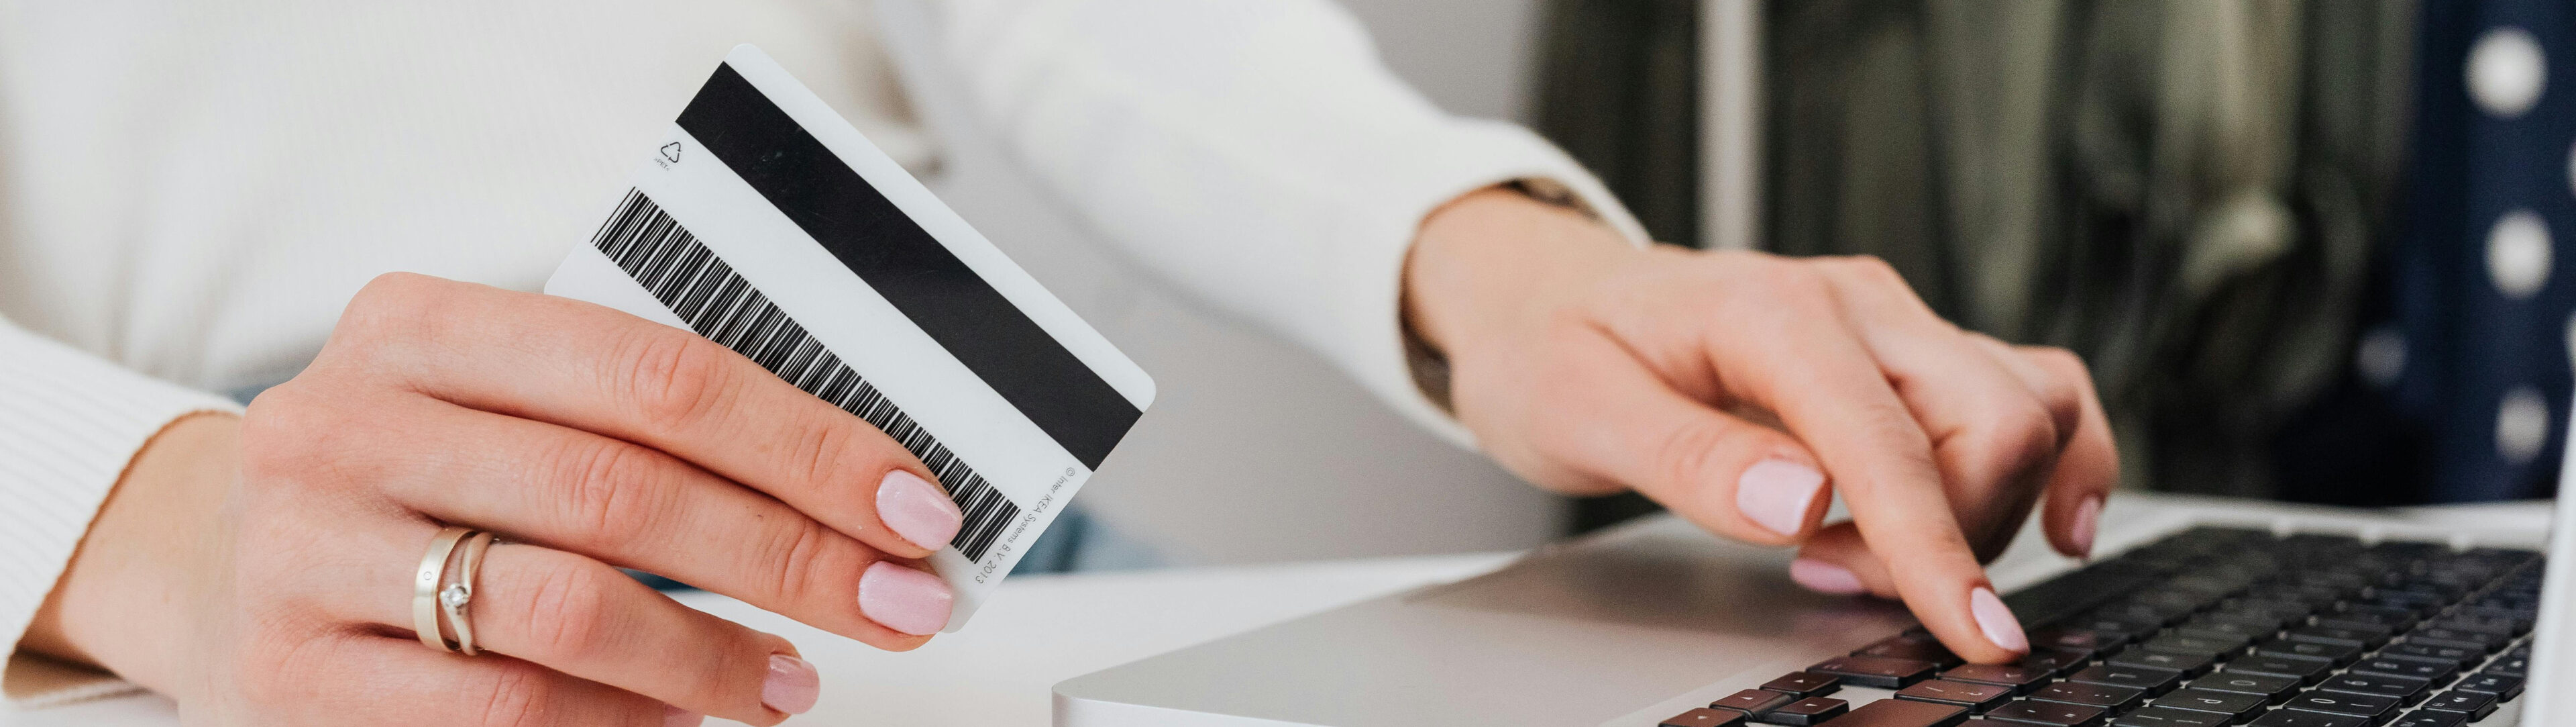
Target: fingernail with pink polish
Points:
x,y
2088,520
1776,493
904,599
1823,577
917,510
1997,620
792,685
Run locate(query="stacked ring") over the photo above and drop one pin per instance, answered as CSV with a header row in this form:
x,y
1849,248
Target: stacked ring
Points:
x,y
434,595
424,586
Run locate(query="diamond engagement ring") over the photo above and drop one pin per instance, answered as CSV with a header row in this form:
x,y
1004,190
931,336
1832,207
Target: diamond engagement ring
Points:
x,y
459,594
425,597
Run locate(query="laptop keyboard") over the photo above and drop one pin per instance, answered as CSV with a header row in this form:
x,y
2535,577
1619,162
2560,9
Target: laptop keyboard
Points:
x,y
2207,627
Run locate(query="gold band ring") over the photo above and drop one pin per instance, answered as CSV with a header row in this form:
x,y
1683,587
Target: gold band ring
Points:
x,y
424,586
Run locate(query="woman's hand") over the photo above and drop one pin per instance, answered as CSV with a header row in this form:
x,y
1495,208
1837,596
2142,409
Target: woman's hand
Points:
x,y
587,440
1737,388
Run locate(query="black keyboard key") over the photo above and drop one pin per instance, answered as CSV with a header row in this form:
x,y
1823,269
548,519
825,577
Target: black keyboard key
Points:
x,y
2403,689
2139,656
2431,719
2211,645
2419,603
2361,636
1805,684
2485,642
2507,627
2125,629
2052,661
1807,712
2408,666
1902,713
2477,705
2109,698
1753,701
2285,611
2453,653
2171,717
1874,671
1918,647
2340,654
2089,643
2272,689
2047,714
2296,667
2504,687
2511,665
2072,593
2264,621
2510,620
2364,706
2384,617
2184,602
2295,718
1976,697
2151,681
2237,707
1705,717
2018,678
2142,613
2211,623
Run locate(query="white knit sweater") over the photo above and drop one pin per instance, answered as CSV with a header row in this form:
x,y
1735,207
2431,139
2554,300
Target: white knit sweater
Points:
x,y
190,191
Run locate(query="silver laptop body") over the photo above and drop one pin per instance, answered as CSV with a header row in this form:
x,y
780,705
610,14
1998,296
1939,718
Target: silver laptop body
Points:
x,y
1643,622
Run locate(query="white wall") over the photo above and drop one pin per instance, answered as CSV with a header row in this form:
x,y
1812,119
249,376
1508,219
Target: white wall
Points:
x,y
1473,57
1256,450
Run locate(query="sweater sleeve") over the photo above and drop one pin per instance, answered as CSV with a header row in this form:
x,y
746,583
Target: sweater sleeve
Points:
x,y
1255,152
69,423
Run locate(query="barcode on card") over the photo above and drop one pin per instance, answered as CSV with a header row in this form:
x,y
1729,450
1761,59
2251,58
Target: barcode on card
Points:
x,y
717,303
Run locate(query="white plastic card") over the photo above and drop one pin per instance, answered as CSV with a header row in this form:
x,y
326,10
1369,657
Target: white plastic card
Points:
x,y
765,222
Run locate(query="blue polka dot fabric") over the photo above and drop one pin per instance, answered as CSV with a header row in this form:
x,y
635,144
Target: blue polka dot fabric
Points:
x,y
2476,338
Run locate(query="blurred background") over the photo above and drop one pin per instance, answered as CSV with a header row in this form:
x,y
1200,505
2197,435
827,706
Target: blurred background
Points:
x,y
2307,245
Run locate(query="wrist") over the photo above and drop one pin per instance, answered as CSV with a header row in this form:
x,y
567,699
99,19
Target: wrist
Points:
x,y
122,601
1493,258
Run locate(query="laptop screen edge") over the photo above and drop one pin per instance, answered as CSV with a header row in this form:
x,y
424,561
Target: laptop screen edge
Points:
x,y
2552,639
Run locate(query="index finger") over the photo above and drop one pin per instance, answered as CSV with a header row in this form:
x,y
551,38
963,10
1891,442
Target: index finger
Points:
x,y
588,367
1831,393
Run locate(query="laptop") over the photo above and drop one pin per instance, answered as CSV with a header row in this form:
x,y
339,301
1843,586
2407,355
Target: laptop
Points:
x,y
2195,612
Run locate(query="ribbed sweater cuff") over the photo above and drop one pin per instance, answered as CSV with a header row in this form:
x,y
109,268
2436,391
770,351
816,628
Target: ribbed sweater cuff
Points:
x,y
69,424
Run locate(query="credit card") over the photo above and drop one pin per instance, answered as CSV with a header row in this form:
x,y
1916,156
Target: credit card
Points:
x,y
765,222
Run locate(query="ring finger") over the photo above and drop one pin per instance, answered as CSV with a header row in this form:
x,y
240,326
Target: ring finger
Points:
x,y
635,507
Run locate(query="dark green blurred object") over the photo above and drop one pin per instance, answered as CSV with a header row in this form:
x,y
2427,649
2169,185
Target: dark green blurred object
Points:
x,y
2187,194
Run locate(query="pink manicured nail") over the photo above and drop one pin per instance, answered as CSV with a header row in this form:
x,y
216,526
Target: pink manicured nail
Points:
x,y
792,686
1823,577
1776,493
904,599
677,717
917,510
2088,519
1997,620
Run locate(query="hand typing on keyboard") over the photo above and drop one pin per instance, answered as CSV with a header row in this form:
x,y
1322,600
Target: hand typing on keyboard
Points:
x,y
1743,390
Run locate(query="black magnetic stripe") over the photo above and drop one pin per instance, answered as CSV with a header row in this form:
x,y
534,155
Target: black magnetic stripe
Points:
x,y
911,269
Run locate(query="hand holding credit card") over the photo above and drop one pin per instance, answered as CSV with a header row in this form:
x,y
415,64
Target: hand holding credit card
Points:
x,y
766,223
